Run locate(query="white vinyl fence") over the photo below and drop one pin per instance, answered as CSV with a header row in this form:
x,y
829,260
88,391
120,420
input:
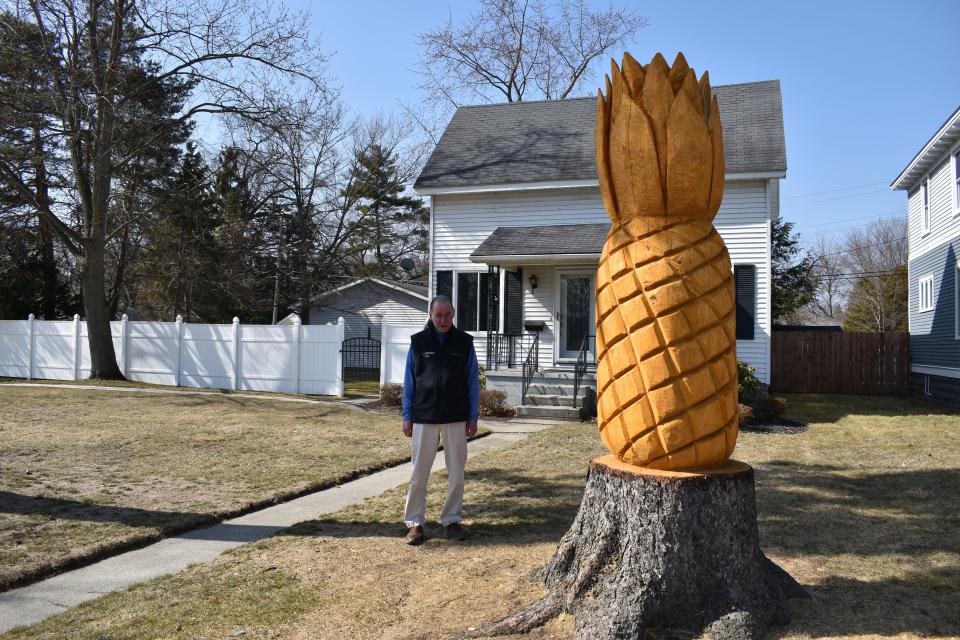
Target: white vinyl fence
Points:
x,y
394,344
289,358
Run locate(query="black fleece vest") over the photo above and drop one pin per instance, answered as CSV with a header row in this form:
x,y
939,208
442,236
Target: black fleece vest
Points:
x,y
440,372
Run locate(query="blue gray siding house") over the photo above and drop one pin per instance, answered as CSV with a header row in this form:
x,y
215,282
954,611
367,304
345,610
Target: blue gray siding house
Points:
x,y
932,182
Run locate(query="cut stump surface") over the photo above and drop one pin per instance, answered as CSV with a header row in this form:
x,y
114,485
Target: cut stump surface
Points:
x,y
665,550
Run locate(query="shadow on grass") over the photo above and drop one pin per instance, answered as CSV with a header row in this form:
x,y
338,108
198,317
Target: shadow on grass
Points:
x,y
63,509
523,509
914,605
821,509
819,407
804,511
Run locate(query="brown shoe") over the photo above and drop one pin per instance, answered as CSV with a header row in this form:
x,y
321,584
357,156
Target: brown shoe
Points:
x,y
415,536
455,531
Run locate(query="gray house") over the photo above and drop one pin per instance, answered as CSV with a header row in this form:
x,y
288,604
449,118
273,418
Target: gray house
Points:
x,y
364,302
517,225
932,182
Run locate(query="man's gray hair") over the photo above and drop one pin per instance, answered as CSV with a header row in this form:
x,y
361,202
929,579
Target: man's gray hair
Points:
x,y
440,300
437,300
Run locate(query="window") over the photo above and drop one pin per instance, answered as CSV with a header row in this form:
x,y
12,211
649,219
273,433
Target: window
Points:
x,y
956,182
926,293
925,214
473,297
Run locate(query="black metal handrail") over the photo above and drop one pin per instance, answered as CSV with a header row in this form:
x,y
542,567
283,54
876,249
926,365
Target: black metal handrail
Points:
x,y
580,369
507,350
530,366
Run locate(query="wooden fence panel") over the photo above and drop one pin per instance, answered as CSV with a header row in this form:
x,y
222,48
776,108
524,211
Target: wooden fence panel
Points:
x,y
839,362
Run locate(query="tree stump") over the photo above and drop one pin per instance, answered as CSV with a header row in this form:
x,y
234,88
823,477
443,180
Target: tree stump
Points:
x,y
666,550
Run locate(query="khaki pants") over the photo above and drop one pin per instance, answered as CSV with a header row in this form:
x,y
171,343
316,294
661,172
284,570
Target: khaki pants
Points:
x,y
426,438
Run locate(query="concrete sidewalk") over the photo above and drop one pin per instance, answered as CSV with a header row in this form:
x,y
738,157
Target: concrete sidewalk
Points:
x,y
33,603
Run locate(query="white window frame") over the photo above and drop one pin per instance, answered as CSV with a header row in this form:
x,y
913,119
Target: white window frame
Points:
x,y
956,301
925,206
926,282
955,185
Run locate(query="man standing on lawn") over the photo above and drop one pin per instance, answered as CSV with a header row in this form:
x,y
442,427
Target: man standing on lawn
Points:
x,y
441,401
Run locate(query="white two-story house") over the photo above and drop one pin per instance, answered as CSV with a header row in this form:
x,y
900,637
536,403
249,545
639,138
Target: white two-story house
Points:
x,y
932,182
517,225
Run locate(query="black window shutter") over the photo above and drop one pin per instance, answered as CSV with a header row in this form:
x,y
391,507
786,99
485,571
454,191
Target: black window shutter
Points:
x,y
745,283
513,302
444,284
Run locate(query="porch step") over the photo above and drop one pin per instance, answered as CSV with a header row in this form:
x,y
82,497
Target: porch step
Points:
x,y
550,390
562,413
554,400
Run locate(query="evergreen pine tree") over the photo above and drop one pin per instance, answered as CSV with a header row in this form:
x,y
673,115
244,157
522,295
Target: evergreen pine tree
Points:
x,y
393,224
793,281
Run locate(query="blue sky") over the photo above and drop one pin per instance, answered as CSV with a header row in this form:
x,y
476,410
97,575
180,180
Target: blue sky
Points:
x,y
865,84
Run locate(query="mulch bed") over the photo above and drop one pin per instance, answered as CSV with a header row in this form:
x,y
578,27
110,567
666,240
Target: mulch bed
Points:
x,y
776,425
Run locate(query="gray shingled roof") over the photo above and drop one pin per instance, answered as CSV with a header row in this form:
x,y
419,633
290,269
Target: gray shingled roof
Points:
x,y
544,240
553,140
409,287
412,287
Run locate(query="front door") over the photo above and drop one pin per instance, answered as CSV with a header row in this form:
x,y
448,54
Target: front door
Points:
x,y
575,312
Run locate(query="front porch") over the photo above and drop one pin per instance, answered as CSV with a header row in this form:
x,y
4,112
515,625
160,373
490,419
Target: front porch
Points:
x,y
540,346
550,393
565,389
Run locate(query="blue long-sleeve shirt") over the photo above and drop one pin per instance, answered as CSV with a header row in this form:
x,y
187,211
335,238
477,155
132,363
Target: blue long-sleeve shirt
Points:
x,y
473,382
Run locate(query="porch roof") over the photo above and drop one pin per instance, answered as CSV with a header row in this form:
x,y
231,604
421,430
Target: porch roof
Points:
x,y
558,243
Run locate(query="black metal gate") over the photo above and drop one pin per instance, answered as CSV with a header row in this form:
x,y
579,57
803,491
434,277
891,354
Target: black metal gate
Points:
x,y
361,360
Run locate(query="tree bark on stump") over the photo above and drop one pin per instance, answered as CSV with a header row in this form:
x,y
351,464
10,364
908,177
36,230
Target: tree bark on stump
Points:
x,y
672,551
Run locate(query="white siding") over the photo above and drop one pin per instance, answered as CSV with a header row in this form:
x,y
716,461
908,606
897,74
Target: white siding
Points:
x,y
744,225
944,225
461,222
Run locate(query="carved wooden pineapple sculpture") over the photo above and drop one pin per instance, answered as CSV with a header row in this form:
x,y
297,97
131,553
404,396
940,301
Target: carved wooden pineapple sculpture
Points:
x,y
666,363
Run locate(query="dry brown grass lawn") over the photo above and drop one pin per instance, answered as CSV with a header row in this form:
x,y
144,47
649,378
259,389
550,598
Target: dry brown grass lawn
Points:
x,y
83,472
862,509
134,384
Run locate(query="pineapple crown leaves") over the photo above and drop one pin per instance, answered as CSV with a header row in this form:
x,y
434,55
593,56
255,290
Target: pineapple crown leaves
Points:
x,y
659,143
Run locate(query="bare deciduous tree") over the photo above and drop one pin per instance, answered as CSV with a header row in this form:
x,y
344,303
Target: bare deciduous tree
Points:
x,y
231,50
827,305
875,260
512,49
862,278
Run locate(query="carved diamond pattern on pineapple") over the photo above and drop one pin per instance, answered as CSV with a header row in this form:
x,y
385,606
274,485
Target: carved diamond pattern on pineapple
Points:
x,y
666,361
